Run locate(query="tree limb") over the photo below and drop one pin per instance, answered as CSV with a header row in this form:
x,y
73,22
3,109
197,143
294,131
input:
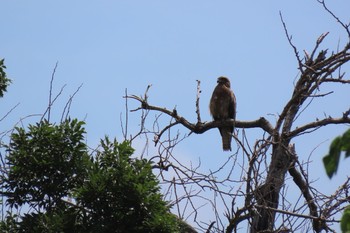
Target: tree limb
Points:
x,y
318,124
199,127
318,224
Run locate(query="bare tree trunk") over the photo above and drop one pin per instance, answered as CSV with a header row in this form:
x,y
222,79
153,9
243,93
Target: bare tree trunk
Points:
x,y
268,194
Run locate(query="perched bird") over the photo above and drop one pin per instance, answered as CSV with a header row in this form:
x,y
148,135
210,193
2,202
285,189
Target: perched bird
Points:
x,y
223,107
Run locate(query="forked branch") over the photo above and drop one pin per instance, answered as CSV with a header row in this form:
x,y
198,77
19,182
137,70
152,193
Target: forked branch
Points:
x,y
200,127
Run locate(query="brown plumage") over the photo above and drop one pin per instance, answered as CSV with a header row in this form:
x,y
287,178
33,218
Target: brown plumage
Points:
x,y
223,107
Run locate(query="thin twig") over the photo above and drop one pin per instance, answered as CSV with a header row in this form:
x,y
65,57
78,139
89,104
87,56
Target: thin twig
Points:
x,y
345,26
125,131
50,94
9,112
68,104
289,38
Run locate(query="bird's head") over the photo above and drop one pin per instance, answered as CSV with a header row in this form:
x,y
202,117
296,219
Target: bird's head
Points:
x,y
224,81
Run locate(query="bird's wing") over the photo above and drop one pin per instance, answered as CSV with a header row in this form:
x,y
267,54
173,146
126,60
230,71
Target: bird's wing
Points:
x,y
232,106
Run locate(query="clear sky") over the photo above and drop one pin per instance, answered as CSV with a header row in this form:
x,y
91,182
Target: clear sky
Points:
x,y
109,46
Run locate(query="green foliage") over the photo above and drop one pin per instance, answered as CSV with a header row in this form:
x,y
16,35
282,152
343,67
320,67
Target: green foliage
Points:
x,y
4,81
45,163
59,220
9,224
122,193
331,160
111,191
331,163
345,221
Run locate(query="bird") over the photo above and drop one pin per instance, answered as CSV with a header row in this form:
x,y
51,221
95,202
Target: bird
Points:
x,y
222,107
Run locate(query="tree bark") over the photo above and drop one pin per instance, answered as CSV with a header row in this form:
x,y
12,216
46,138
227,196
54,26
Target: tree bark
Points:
x,y
267,195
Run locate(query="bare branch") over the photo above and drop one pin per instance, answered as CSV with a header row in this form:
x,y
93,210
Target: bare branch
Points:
x,y
340,197
9,112
197,101
333,80
52,102
203,127
317,124
50,94
68,104
289,38
125,131
320,39
304,188
345,26
321,95
159,135
296,214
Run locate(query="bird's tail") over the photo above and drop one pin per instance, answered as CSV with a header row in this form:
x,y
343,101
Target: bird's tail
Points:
x,y
226,139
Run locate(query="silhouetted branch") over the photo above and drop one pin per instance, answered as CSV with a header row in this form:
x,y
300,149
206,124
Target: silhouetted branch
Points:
x,y
200,128
2,118
68,104
289,38
50,94
345,26
318,124
318,225
52,101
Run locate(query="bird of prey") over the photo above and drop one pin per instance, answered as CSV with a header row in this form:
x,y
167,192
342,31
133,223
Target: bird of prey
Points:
x,y
223,107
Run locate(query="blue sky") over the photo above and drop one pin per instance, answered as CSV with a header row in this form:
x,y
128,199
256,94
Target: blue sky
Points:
x,y
109,46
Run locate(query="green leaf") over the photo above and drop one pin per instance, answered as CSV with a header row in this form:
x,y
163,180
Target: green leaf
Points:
x,y
346,143
345,221
46,162
4,81
122,192
331,161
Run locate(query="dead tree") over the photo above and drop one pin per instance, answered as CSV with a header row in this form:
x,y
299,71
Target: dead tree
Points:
x,y
262,188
